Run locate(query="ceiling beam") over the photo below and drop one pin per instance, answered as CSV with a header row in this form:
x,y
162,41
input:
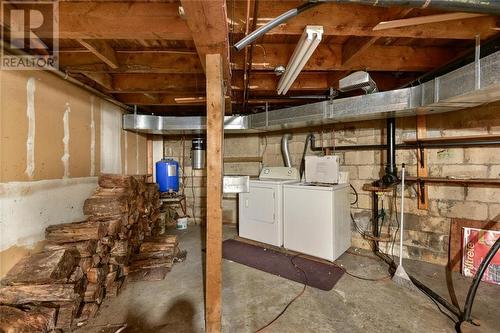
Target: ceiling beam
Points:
x,y
101,50
207,21
103,79
158,83
121,20
357,45
329,57
359,20
133,62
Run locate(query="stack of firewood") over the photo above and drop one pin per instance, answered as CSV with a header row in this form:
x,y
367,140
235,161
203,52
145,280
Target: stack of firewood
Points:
x,y
91,259
155,258
43,291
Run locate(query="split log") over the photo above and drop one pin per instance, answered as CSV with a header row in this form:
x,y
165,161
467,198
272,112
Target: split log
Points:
x,y
82,249
114,181
106,206
89,310
97,274
36,319
77,275
86,263
116,287
94,293
74,232
105,192
114,223
157,247
151,263
153,274
41,268
37,293
110,279
156,254
120,248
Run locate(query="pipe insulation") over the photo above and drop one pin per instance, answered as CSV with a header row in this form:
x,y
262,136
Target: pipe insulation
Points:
x,y
285,151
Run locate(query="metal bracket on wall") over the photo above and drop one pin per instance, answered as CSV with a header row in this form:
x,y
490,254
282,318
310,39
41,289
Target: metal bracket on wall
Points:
x,y
421,129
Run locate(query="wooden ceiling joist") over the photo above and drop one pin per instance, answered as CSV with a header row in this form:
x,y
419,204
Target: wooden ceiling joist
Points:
x,y
329,57
159,83
359,20
122,20
133,62
101,50
207,21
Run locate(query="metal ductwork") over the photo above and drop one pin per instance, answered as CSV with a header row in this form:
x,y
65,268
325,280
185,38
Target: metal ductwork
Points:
x,y
471,85
285,151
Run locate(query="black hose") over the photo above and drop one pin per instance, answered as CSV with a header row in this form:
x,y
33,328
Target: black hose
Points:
x,y
477,278
302,167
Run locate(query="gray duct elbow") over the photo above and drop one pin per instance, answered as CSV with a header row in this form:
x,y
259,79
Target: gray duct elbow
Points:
x,y
285,151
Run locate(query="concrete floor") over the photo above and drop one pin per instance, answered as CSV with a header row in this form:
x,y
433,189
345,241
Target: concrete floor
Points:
x,y
252,298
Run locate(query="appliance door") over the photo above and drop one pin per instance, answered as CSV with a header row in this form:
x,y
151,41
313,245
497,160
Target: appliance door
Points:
x,y
307,220
259,218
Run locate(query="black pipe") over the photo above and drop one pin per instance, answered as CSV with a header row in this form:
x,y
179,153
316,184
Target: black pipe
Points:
x,y
432,145
391,171
485,6
477,278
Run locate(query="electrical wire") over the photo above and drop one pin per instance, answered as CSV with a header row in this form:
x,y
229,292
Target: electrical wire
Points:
x,y
293,300
356,194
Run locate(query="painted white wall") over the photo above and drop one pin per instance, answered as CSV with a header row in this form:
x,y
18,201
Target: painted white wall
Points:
x,y
27,208
111,126
157,152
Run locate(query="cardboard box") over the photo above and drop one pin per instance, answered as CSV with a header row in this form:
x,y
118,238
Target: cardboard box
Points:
x,y
475,245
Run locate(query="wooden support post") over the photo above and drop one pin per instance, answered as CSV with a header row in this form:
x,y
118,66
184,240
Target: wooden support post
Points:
x,y
215,135
423,200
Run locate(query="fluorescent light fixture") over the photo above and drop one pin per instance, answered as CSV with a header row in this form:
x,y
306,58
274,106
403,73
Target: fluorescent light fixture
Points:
x,y
308,42
358,80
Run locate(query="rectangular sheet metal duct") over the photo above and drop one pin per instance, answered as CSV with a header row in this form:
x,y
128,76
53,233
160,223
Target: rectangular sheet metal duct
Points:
x,y
453,91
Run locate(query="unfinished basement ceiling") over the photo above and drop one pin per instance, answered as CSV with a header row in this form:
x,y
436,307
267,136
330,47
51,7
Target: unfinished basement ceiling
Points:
x,y
146,54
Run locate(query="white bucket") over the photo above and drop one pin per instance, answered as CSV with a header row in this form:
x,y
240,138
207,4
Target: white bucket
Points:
x,y
182,223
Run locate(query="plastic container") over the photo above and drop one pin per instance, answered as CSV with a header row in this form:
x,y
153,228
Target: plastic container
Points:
x,y
167,175
182,223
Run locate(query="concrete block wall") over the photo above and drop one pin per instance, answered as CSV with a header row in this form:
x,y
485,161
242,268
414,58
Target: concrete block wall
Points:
x,y
195,180
427,231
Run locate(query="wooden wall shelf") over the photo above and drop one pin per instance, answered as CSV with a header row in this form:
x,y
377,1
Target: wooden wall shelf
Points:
x,y
455,139
456,181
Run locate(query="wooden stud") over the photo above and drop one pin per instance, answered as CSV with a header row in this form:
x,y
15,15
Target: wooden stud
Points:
x,y
101,50
424,20
215,135
422,156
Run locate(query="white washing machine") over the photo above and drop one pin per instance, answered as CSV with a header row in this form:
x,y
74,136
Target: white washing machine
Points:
x,y
261,209
316,219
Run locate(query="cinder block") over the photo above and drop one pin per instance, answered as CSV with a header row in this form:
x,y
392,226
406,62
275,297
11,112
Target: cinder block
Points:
x,y
446,192
483,194
463,209
445,156
359,158
494,171
370,172
494,212
488,155
458,171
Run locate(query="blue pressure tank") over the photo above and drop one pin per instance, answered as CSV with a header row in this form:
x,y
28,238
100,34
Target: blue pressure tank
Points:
x,y
167,175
